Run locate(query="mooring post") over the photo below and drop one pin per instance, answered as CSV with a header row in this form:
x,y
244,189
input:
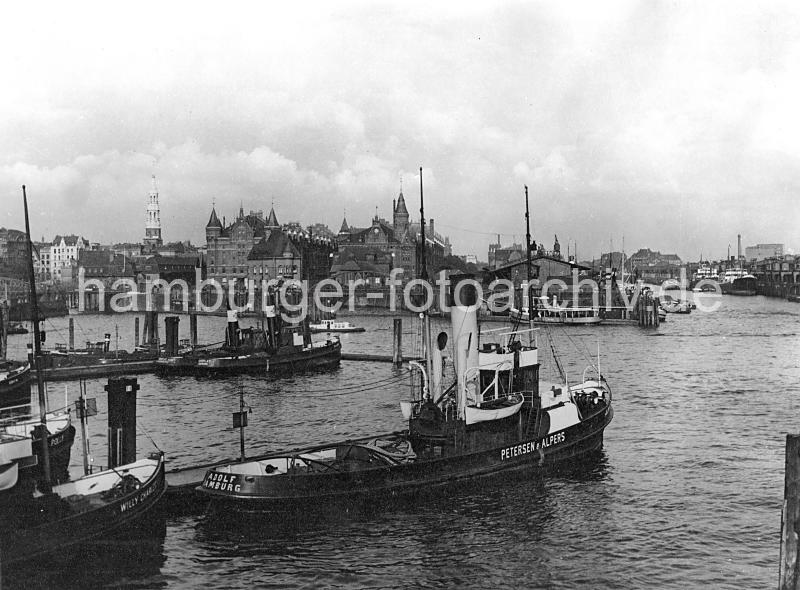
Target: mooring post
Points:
x,y
72,333
397,348
154,337
121,420
136,331
171,331
790,518
146,328
193,328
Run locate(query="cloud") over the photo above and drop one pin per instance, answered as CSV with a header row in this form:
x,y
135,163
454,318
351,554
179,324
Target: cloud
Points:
x,y
672,124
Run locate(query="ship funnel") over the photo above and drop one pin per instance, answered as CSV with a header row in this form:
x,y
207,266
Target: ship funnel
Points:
x,y
436,364
464,316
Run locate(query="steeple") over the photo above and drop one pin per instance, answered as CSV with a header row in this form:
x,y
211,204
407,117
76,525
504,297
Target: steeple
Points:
x,y
272,220
214,221
152,228
345,229
214,225
400,215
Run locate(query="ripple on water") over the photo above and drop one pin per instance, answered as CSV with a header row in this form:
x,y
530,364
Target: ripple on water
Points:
x,y
686,493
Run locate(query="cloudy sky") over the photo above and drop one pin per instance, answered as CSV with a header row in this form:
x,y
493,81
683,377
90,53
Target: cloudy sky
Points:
x,y
673,124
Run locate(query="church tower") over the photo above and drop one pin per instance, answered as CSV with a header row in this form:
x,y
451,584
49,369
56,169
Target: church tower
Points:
x,y
152,229
400,216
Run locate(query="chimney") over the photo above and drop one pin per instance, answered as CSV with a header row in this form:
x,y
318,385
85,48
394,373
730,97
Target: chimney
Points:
x,y
739,250
433,233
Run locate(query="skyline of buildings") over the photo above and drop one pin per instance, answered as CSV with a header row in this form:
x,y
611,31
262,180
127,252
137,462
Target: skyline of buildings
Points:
x,y
253,247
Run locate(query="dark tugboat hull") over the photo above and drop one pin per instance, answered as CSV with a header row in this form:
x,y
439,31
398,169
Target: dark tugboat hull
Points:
x,y
275,492
284,361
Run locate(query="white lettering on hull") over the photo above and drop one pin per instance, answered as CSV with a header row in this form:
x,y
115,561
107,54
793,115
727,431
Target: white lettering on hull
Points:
x,y
532,446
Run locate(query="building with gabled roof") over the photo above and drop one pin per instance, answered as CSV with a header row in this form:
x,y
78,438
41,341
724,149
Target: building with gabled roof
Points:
x,y
399,241
249,248
65,250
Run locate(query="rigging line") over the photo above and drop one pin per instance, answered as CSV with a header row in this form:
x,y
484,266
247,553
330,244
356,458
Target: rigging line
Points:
x,y
584,351
53,326
364,387
474,231
338,393
147,434
348,389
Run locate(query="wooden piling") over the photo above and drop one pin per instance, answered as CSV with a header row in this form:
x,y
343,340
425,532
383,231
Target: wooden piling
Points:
x,y
790,518
397,347
193,328
146,328
71,333
656,308
136,331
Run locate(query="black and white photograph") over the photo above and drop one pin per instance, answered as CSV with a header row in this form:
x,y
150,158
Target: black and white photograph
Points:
x,y
381,295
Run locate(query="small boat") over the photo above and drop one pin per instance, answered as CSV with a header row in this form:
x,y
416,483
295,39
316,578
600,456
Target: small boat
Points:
x,y
496,416
15,383
334,326
545,312
9,474
72,513
670,305
60,437
16,328
14,451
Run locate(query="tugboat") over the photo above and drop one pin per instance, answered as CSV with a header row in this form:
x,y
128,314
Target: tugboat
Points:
x,y
496,416
737,281
274,346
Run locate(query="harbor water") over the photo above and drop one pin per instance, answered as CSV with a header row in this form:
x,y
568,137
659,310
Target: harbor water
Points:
x,y
686,493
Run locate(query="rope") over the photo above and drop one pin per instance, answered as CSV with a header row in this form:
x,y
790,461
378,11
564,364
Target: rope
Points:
x,y
349,389
147,434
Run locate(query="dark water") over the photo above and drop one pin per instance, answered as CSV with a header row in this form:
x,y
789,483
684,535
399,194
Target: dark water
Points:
x,y
686,493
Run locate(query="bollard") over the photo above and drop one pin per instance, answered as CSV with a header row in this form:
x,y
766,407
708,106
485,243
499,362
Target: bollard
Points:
x,y
121,420
397,348
71,333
